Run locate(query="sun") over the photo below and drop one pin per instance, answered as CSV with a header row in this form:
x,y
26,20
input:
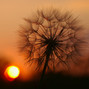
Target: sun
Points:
x,y
12,72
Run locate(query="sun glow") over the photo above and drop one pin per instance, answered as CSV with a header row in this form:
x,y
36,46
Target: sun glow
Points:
x,y
12,72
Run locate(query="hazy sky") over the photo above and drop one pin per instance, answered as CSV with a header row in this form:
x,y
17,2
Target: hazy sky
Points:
x,y
12,13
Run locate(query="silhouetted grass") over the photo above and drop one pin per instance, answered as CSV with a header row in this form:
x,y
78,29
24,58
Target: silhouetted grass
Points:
x,y
50,81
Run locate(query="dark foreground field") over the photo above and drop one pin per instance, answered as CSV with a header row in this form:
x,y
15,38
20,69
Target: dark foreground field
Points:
x,y
51,81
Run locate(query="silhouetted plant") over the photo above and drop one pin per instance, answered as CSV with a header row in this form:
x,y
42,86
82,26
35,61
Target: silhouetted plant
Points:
x,y
51,38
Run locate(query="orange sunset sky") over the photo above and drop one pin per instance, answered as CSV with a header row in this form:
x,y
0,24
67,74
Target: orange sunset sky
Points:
x,y
12,13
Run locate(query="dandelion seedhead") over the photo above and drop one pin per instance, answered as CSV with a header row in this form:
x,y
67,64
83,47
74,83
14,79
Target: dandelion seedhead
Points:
x,y
51,38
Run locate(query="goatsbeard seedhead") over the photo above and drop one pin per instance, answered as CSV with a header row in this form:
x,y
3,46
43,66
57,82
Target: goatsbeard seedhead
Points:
x,y
51,33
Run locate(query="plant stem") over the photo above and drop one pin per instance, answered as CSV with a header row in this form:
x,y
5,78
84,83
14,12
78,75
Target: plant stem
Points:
x,y
44,69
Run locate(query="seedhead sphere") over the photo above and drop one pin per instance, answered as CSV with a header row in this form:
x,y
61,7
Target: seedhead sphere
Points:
x,y
51,36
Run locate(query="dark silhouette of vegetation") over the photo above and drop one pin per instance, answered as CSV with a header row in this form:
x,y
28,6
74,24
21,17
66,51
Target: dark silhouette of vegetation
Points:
x,y
51,38
51,81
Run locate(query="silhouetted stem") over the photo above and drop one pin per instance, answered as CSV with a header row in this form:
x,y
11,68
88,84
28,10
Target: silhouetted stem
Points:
x,y
44,69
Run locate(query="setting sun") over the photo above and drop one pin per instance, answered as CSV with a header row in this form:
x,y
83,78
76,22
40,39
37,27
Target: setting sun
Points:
x,y
12,72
